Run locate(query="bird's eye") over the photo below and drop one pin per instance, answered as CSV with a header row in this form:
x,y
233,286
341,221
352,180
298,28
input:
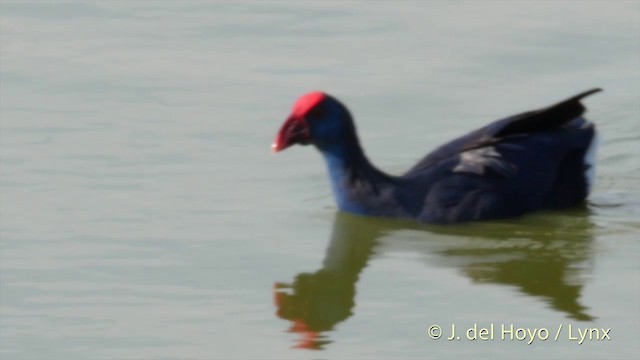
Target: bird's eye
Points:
x,y
316,112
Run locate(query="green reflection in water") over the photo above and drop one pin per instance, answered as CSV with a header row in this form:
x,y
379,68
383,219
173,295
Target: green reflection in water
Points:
x,y
541,255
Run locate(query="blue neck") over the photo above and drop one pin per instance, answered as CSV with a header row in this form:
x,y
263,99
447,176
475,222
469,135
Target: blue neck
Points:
x,y
339,178
350,173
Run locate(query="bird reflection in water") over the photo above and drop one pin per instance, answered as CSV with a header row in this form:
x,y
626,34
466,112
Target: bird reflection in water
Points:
x,y
540,255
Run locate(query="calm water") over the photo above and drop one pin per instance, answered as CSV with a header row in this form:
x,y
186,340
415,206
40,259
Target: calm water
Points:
x,y
143,215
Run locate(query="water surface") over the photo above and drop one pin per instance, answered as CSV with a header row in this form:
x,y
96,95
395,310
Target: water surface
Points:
x,y
143,216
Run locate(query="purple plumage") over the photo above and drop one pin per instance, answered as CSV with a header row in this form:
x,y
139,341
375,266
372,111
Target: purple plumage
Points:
x,y
523,163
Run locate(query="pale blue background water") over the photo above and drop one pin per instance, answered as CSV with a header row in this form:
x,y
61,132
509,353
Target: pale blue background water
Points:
x,y
143,216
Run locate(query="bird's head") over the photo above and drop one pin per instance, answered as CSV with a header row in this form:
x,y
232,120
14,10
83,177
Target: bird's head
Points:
x,y
318,119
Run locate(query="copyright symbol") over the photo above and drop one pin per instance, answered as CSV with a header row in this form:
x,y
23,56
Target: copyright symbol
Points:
x,y
434,332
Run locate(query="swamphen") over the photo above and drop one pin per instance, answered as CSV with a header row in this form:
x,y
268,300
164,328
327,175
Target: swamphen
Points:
x,y
541,159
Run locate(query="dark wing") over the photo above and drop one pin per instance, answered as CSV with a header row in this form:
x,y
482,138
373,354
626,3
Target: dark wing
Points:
x,y
521,173
521,124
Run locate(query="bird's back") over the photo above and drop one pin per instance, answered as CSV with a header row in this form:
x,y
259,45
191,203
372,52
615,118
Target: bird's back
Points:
x,y
523,163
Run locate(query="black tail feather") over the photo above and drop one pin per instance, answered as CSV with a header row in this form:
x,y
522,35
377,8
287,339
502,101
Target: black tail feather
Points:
x,y
548,118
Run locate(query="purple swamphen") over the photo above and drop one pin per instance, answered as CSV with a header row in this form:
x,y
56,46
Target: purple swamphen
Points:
x,y
541,159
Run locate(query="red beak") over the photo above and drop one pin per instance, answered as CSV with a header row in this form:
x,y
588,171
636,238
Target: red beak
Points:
x,y
293,131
